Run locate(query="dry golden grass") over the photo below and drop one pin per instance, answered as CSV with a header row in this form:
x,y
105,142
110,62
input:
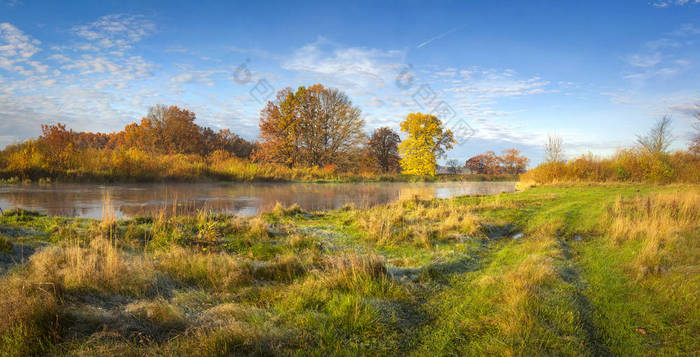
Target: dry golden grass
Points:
x,y
257,227
100,267
421,222
364,274
660,222
220,272
522,287
383,223
350,269
29,316
525,185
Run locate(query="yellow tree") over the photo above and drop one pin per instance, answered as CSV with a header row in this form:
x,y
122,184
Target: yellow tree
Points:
x,y
427,141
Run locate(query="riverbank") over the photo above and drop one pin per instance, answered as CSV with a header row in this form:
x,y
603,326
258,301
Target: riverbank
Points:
x,y
9,178
134,166
560,270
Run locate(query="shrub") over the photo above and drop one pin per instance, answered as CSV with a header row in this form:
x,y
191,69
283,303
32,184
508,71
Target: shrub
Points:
x,y
627,165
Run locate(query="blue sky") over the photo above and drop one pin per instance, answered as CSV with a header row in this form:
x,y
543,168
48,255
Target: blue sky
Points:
x,y
594,72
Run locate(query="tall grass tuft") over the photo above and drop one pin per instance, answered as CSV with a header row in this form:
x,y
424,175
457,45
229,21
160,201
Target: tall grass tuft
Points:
x,y
100,267
30,321
661,223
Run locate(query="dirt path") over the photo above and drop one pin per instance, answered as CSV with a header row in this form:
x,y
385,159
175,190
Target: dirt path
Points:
x,y
571,274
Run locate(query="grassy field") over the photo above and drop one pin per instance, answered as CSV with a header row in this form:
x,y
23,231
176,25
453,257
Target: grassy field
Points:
x,y
556,270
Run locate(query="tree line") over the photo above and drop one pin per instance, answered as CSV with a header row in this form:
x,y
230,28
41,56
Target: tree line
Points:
x,y
165,130
313,126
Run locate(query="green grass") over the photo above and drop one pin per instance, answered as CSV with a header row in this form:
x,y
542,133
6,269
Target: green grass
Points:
x,y
553,270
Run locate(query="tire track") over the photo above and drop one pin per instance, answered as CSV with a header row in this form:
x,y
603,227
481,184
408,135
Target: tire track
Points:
x,y
571,274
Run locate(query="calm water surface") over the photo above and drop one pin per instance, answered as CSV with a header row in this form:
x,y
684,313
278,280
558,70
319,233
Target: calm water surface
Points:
x,y
128,200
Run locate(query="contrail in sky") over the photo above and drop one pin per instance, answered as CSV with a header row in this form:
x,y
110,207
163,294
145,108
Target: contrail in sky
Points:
x,y
424,43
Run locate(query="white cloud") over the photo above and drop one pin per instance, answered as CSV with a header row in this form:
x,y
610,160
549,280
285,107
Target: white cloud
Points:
x,y
666,71
661,43
683,104
667,3
11,3
16,49
686,30
115,72
662,65
376,102
494,84
350,67
638,60
118,31
177,49
618,98
197,77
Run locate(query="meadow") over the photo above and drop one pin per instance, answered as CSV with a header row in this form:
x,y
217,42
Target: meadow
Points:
x,y
576,269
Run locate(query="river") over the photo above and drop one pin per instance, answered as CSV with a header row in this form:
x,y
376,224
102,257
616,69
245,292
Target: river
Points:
x,y
128,200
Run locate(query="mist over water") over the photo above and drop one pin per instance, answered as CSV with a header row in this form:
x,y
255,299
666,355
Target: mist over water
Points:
x,y
128,200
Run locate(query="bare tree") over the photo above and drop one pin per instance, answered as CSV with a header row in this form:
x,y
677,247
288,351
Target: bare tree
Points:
x,y
452,166
659,137
695,142
554,149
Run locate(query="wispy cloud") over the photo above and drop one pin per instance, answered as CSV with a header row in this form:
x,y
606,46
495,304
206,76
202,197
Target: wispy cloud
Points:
x,y
686,30
198,77
494,84
16,49
430,40
350,67
11,3
118,31
644,60
660,58
667,3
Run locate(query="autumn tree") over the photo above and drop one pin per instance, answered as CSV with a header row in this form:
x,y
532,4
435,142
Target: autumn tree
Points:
x,y
512,162
57,144
477,164
227,141
165,130
487,163
140,136
659,137
87,140
383,149
314,126
171,130
426,142
174,130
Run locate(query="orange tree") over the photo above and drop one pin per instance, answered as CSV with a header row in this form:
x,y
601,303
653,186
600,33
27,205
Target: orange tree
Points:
x,y
315,126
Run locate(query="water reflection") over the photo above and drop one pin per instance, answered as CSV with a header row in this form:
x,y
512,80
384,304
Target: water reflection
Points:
x,y
128,200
